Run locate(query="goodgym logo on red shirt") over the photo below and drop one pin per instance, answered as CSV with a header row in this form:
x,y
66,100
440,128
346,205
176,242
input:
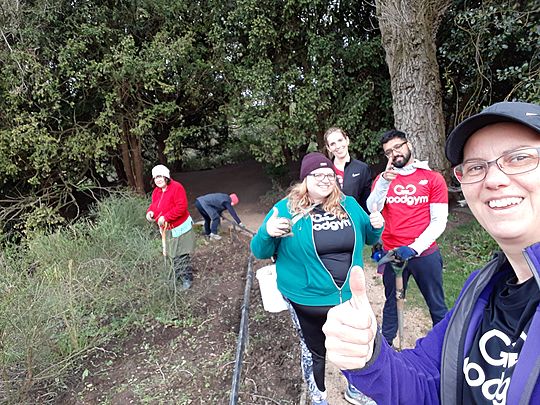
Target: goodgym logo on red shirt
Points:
x,y
405,195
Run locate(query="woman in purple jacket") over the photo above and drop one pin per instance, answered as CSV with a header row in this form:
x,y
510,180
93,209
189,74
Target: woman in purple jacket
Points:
x,y
487,348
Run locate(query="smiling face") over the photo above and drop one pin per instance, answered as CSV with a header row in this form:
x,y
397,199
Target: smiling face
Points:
x,y
338,144
507,206
318,190
398,152
160,181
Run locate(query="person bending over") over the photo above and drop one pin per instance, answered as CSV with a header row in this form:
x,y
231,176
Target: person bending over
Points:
x,y
210,206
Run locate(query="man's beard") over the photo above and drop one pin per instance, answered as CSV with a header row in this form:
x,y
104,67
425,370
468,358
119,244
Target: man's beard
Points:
x,y
405,158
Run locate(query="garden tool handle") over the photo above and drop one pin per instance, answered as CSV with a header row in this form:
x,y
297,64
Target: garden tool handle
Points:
x,y
164,239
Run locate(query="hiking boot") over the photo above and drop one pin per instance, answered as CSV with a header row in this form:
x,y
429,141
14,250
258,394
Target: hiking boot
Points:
x,y
188,277
353,396
215,236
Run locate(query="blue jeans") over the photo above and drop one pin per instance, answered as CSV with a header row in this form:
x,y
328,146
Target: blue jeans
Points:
x,y
427,272
211,220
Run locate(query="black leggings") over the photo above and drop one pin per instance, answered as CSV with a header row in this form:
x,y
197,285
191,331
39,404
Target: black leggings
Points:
x,y
311,321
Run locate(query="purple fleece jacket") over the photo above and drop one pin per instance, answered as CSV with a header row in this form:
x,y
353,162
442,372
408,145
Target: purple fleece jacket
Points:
x,y
431,372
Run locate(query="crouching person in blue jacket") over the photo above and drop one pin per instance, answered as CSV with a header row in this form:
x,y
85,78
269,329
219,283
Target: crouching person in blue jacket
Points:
x,y
487,348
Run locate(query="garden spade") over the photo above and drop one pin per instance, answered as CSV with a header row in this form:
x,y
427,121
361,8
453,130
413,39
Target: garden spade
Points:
x,y
163,231
398,266
164,239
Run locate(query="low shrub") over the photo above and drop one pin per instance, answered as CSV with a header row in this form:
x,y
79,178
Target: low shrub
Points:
x,y
64,293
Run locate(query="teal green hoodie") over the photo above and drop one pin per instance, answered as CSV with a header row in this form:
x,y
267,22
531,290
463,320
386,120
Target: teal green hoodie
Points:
x,y
301,275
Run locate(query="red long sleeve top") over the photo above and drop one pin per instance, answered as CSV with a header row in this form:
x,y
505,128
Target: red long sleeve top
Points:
x,y
171,203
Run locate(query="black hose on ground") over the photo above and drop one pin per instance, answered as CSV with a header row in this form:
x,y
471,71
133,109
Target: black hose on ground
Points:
x,y
242,334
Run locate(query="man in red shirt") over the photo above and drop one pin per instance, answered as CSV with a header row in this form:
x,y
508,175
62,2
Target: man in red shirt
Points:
x,y
413,200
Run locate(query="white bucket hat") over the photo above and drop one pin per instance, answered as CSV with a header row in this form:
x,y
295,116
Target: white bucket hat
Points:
x,y
160,170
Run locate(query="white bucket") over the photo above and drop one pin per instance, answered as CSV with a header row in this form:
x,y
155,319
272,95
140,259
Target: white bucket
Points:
x,y
271,297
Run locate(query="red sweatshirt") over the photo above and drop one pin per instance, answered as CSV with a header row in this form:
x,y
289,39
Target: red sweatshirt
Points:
x,y
171,203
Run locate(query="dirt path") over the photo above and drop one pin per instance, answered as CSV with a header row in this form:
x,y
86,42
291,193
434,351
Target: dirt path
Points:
x,y
250,183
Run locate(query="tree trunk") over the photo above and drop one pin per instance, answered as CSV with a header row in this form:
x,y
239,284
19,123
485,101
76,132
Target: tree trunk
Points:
x,y
408,30
160,149
126,162
137,163
132,159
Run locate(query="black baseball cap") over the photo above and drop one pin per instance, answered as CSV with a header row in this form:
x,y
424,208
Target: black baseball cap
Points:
x,y
507,111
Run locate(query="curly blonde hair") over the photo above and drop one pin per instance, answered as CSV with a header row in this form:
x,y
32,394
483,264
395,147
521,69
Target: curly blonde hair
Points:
x,y
300,203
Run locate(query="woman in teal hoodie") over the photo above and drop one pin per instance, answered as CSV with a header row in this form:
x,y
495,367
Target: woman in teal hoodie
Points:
x,y
317,234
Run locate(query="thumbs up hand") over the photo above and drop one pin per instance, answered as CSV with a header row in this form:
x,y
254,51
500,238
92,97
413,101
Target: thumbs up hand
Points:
x,y
351,327
376,218
277,226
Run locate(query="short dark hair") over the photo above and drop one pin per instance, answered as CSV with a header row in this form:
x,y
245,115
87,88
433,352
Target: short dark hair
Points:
x,y
393,133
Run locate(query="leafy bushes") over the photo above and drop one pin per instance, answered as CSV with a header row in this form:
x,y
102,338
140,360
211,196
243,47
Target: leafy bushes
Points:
x,y
464,248
64,293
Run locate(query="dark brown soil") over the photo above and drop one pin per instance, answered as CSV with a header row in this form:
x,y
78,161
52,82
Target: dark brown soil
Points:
x,y
192,362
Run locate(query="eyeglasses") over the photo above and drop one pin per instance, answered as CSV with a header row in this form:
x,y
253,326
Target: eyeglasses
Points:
x,y
322,176
517,161
397,148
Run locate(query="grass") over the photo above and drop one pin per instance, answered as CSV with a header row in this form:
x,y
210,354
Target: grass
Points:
x,y
464,248
65,293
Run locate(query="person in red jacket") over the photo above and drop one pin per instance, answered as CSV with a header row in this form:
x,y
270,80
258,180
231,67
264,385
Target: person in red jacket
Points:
x,y
169,208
